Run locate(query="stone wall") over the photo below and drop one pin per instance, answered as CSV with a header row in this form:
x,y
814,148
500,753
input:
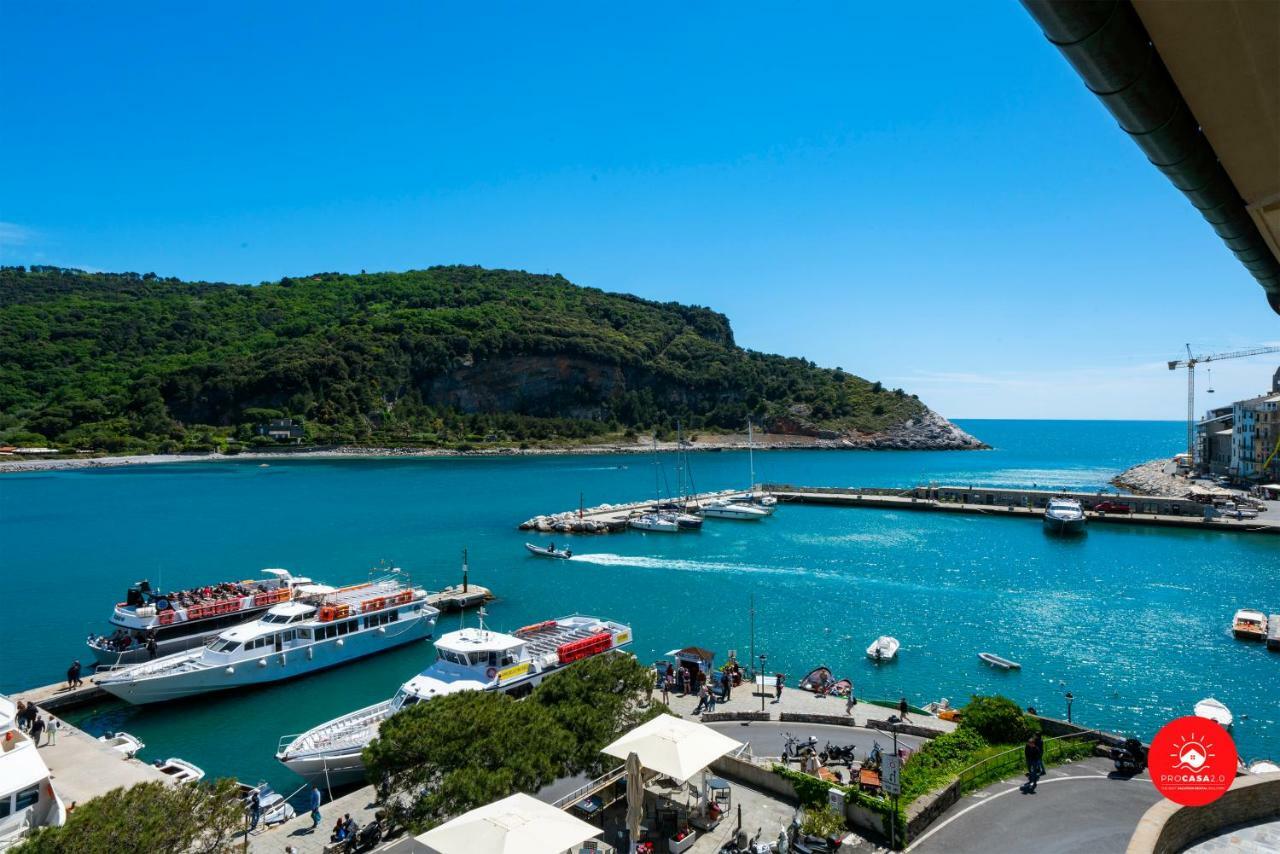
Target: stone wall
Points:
x,y
1168,828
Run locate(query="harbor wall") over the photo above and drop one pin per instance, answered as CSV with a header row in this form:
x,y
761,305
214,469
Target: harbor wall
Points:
x,y
1167,827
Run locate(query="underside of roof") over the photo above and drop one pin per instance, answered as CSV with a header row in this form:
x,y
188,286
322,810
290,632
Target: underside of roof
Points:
x,y
1196,84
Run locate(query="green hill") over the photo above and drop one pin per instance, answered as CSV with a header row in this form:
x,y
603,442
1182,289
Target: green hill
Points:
x,y
442,356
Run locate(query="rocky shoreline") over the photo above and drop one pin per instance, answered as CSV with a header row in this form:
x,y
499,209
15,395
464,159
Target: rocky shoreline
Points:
x,y
929,433
1159,477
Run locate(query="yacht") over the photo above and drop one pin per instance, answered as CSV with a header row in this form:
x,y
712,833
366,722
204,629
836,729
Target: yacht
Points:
x,y
725,508
654,522
27,796
1249,624
186,619
470,659
322,627
1064,516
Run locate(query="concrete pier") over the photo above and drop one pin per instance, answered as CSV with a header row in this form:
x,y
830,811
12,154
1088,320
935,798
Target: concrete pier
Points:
x,y
1148,510
608,518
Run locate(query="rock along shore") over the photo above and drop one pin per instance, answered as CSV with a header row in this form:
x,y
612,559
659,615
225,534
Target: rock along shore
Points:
x,y
1159,477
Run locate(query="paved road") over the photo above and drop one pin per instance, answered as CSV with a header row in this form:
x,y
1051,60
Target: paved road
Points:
x,y
1077,807
767,737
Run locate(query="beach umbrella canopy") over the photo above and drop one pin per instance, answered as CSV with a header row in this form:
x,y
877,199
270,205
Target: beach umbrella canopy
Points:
x,y
673,746
519,824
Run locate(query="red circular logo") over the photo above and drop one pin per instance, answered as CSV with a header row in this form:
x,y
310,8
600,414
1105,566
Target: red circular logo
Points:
x,y
1192,761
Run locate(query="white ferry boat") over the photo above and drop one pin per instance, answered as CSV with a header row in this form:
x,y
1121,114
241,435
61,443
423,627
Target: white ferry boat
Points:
x,y
27,797
471,659
186,619
1064,516
321,628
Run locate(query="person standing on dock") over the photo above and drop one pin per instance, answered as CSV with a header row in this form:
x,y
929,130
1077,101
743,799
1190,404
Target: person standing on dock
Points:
x,y
73,675
37,729
255,811
903,708
668,682
315,807
777,688
1033,753
850,702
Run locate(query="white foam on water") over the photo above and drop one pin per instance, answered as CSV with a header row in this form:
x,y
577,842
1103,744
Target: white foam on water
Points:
x,y
680,565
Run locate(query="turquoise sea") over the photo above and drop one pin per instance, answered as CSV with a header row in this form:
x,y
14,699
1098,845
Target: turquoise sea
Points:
x,y
1134,622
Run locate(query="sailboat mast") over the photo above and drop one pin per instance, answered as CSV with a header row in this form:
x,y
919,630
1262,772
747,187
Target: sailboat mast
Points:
x,y
751,456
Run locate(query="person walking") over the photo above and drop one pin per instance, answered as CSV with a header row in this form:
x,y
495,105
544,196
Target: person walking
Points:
x,y
728,685
777,688
1032,752
1039,739
680,681
903,708
315,807
21,716
850,702
668,682
73,675
255,811
37,730
702,701
54,725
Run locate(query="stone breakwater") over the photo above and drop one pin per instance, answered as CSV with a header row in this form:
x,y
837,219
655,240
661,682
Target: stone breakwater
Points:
x,y
1159,477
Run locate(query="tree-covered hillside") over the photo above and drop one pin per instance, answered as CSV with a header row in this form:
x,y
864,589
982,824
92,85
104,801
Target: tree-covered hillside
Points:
x,y
441,356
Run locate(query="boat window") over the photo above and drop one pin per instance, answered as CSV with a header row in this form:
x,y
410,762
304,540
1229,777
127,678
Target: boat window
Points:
x,y
26,798
285,637
4,807
304,634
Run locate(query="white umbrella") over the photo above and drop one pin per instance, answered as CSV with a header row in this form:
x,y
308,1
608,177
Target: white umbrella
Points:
x,y
516,824
635,798
673,746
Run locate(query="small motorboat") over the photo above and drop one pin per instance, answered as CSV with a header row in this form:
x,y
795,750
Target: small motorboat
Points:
x,y
549,551
1064,516
727,509
653,522
999,662
180,770
1263,766
123,743
272,806
883,648
1216,711
1249,624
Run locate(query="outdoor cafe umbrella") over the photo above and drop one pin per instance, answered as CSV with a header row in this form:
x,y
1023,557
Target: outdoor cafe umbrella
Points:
x,y
519,823
635,798
673,746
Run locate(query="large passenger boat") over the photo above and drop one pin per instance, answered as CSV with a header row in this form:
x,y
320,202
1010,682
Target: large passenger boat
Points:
x,y
321,627
186,619
27,798
471,659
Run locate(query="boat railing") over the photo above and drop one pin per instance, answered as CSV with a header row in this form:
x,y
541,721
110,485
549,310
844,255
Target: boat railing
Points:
x,y
586,791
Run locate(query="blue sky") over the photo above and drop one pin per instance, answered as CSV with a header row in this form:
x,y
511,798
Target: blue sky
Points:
x,y
923,194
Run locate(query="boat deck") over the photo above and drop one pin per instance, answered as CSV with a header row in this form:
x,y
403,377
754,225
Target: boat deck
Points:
x,y
353,596
550,639
1273,631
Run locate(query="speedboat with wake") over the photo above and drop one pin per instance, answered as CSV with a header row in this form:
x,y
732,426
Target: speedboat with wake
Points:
x,y
323,627
470,659
1064,516
186,619
549,550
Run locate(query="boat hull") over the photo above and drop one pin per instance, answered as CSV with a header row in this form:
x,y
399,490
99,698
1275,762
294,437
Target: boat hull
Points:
x,y
1065,527
266,669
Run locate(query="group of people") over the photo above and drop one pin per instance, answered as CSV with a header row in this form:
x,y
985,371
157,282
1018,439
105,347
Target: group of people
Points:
x,y
343,829
122,640
34,724
209,594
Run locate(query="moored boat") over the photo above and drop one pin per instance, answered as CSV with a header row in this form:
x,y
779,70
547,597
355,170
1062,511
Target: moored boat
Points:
x,y
186,619
725,509
272,806
999,662
470,659
549,550
883,648
1263,766
1273,632
1249,624
1064,516
654,522
123,743
1216,711
180,770
27,797
323,627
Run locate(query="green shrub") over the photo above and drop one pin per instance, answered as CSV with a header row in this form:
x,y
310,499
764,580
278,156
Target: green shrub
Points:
x,y
824,822
999,720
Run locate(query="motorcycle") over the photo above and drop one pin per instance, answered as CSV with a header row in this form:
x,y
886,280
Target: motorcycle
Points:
x,y
843,754
1130,758
794,748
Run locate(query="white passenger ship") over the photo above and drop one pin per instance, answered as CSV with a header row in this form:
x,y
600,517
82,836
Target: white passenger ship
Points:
x,y
321,628
180,620
471,659
27,797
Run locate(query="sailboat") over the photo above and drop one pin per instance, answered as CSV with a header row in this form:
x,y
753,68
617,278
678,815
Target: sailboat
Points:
x,y
764,502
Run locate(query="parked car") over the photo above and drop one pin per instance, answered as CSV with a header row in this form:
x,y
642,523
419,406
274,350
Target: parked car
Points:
x,y
1112,507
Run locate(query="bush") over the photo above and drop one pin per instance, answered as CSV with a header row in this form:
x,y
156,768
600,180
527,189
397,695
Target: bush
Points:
x,y
999,720
824,822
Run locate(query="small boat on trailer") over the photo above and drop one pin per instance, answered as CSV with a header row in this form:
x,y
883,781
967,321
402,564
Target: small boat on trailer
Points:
x,y
999,662
883,648
549,550
123,743
272,806
1216,711
1249,624
180,770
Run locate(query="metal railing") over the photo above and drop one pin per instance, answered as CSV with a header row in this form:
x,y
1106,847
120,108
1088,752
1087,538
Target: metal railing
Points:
x,y
585,791
1009,762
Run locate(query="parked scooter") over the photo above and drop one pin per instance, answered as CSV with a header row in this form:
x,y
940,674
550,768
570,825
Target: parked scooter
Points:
x,y
794,748
1130,758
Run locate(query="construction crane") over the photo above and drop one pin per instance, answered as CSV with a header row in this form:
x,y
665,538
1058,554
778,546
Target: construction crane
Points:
x,y
1190,364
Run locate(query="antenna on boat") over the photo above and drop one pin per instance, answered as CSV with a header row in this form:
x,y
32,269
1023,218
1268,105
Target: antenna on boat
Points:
x,y
481,614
